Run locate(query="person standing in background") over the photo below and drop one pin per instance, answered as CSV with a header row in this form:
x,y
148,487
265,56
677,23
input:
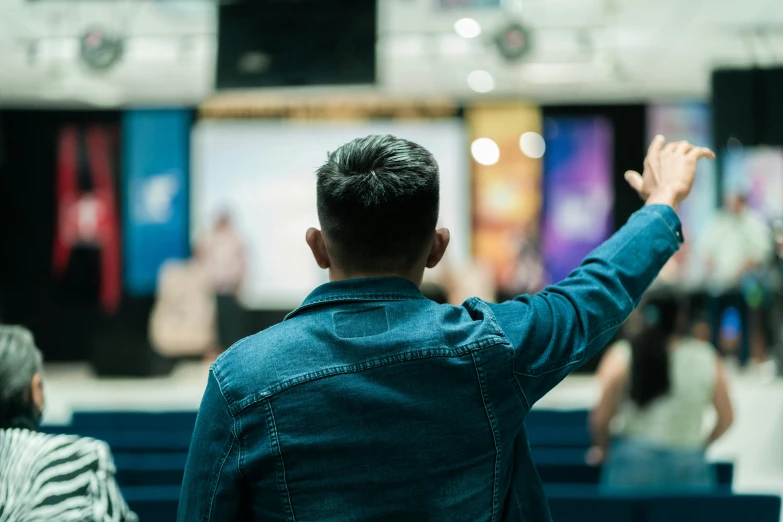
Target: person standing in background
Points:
x,y
737,245
222,253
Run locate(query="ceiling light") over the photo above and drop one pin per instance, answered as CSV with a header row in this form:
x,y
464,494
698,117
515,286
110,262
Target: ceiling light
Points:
x,y
485,151
532,145
467,27
481,81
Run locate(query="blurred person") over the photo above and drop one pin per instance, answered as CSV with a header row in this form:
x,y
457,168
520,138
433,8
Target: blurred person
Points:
x,y
737,241
47,477
371,402
529,273
655,391
182,322
737,247
470,279
222,252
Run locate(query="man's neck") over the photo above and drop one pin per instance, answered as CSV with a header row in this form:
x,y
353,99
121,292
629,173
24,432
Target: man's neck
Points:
x,y
336,274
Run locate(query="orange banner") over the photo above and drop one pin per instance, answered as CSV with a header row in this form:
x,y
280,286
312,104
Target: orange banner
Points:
x,y
506,195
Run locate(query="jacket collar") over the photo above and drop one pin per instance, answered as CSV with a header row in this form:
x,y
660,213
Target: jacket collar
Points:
x,y
356,290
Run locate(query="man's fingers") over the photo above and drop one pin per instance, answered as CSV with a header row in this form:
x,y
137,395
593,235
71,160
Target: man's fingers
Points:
x,y
701,152
656,146
676,146
683,147
636,181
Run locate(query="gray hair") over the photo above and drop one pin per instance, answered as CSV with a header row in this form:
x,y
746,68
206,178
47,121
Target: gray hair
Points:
x,y
20,359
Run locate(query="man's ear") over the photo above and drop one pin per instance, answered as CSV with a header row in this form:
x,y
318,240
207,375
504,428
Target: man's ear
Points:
x,y
315,240
439,245
36,392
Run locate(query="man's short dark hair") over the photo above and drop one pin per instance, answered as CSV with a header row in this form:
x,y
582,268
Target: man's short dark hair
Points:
x,y
378,201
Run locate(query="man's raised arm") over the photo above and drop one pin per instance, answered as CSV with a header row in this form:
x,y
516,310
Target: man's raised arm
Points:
x,y
557,330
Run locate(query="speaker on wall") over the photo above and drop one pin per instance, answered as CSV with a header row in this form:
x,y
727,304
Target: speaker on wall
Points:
x,y
734,98
773,106
273,43
747,104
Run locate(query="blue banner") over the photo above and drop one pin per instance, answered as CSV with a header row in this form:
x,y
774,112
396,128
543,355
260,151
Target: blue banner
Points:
x,y
156,153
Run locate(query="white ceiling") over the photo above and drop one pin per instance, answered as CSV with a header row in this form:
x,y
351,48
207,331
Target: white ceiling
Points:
x,y
582,50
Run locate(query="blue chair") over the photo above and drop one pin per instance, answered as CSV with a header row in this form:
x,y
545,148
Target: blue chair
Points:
x,y
150,469
557,418
134,441
715,508
558,436
584,503
134,420
153,504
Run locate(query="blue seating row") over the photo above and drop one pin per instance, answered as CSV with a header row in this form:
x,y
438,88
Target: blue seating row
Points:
x,y
151,452
567,502
143,469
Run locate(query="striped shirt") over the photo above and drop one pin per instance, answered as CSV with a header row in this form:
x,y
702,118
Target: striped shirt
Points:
x,y
58,478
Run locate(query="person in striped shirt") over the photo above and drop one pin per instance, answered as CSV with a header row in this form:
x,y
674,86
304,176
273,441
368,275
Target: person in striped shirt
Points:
x,y
42,476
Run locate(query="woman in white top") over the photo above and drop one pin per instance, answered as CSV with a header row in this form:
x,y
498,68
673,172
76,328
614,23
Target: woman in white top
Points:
x,y
654,393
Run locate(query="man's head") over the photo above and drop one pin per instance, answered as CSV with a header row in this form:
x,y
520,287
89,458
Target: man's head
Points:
x,y
378,200
736,202
223,220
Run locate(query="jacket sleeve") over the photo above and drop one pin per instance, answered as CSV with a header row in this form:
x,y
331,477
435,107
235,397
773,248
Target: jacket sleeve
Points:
x,y
213,482
557,330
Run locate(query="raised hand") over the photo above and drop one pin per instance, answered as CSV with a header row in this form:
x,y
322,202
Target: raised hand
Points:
x,y
669,172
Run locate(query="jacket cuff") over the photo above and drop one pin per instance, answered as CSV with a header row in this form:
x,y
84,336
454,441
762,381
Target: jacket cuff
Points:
x,y
669,216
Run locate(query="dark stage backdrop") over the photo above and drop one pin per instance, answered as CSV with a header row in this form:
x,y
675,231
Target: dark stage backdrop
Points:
x,y
60,310
65,312
69,312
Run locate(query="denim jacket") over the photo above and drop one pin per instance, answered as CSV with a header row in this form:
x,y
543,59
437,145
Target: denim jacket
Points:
x,y
371,402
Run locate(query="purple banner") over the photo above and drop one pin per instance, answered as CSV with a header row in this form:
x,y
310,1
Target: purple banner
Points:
x,y
578,191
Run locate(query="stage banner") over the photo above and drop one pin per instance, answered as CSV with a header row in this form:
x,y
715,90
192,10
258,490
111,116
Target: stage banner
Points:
x,y
757,172
691,122
507,194
578,191
155,192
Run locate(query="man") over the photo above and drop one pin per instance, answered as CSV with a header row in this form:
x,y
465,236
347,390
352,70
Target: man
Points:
x,y
370,402
737,241
737,244
222,254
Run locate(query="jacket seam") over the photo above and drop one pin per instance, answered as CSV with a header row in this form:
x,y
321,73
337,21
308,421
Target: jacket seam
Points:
x,y
217,480
516,500
280,463
478,303
492,425
519,389
423,353
353,297
489,313
239,444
